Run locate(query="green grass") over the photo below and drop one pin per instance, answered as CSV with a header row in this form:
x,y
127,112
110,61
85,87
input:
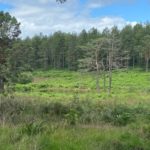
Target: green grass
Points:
x,y
45,126
83,138
64,85
61,110
90,137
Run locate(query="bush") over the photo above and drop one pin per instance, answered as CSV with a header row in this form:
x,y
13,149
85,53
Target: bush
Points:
x,y
146,131
33,128
54,109
25,77
72,117
11,110
119,115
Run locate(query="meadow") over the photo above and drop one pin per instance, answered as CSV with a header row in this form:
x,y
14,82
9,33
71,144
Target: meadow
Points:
x,y
62,110
65,85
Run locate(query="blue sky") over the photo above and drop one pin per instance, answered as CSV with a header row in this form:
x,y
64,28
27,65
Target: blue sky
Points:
x,y
138,10
47,16
5,7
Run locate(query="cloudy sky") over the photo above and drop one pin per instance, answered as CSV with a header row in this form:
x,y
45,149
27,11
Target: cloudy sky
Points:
x,y
47,16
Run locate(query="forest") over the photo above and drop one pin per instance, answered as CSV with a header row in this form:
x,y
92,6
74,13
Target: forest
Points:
x,y
65,50
74,91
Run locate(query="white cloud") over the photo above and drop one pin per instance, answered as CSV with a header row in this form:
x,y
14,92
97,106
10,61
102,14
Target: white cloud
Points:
x,y
101,3
47,16
98,3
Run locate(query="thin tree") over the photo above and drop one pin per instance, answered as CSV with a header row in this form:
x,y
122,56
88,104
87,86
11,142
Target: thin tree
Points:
x,y
113,55
146,51
93,58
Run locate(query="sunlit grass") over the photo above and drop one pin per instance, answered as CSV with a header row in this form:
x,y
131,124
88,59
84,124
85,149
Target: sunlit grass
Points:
x,y
64,85
91,120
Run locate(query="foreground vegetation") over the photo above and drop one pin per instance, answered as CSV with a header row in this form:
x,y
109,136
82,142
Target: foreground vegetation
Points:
x,y
76,125
62,110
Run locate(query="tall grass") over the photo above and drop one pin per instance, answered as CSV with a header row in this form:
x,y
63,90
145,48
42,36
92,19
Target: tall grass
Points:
x,y
74,125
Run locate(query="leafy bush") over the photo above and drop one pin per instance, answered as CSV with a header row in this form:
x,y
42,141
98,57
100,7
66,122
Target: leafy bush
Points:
x,y
25,77
43,86
72,117
146,131
54,108
10,110
119,115
33,128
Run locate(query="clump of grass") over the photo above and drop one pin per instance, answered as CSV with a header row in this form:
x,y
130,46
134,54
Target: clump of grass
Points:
x,y
146,131
25,77
33,128
119,115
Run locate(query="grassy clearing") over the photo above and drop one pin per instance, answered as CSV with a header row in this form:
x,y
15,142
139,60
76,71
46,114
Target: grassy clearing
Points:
x,y
65,85
61,110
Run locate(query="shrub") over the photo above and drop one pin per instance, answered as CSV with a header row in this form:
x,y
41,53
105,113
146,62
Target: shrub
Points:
x,y
54,108
41,86
25,77
11,110
146,131
72,117
33,128
119,115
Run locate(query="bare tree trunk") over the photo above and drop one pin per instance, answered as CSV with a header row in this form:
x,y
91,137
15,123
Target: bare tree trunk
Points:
x,y
104,76
1,85
97,83
127,64
63,60
104,80
98,72
110,68
133,62
147,64
110,80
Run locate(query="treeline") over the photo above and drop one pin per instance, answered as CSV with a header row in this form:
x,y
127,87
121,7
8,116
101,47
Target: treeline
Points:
x,y
65,50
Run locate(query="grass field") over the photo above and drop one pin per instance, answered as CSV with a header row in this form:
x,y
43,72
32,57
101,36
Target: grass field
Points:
x,y
64,85
61,110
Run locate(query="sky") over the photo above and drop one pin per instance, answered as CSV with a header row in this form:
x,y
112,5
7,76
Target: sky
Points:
x,y
48,16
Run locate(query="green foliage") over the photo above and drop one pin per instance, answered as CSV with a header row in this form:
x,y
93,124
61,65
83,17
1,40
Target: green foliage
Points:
x,y
64,50
9,31
33,128
43,125
120,115
25,77
72,117
60,84
146,131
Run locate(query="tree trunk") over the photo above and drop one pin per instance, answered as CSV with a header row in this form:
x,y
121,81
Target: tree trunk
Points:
x,y
110,68
133,62
1,85
147,65
110,81
104,80
97,83
98,72
127,64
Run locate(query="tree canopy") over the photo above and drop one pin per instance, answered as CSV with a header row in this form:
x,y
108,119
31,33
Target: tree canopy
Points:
x,y
9,31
